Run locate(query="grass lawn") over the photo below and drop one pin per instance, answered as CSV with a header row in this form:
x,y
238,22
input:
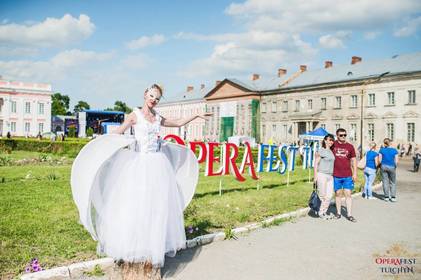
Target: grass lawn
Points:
x,y
39,218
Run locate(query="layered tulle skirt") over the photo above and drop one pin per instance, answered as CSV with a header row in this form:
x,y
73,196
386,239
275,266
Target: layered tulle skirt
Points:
x,y
135,203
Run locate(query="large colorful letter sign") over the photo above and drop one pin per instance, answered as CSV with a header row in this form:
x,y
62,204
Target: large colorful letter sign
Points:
x,y
278,159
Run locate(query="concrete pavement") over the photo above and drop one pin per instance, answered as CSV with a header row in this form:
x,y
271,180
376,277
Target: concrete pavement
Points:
x,y
310,248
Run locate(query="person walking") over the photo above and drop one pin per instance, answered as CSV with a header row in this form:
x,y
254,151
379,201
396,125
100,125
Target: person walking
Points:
x,y
323,171
417,160
389,161
344,173
372,161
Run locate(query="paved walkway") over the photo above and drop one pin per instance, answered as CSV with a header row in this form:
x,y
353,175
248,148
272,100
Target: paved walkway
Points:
x,y
310,248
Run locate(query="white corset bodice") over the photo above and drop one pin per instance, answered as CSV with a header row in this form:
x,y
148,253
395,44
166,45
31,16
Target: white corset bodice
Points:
x,y
146,133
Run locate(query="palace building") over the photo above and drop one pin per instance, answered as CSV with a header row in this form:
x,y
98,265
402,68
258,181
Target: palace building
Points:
x,y
25,108
371,99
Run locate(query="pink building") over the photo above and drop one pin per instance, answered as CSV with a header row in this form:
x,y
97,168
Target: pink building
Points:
x,y
25,108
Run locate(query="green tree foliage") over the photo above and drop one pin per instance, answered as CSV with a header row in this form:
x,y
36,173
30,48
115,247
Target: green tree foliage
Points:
x,y
120,106
80,106
60,104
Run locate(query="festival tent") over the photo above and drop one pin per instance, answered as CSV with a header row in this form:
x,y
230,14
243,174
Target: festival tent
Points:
x,y
317,134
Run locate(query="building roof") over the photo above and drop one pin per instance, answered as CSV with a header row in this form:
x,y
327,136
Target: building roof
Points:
x,y
194,94
398,64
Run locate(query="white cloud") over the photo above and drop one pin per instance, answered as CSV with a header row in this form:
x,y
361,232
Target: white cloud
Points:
x,y
56,68
18,51
334,41
235,58
51,32
410,28
146,41
320,15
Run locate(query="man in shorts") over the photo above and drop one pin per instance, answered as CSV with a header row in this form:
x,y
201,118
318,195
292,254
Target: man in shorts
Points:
x,y
344,173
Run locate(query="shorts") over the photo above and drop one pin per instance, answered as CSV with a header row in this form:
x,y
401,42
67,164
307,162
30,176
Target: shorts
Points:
x,y
343,183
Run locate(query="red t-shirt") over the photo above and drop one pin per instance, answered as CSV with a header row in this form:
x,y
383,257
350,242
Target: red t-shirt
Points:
x,y
343,154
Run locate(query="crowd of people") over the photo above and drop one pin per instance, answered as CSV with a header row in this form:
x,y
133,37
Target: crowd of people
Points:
x,y
335,172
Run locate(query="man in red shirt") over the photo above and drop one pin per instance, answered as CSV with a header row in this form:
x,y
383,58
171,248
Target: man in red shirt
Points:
x,y
344,173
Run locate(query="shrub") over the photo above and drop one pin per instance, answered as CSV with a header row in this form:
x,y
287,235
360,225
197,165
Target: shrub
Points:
x,y
70,148
90,132
71,132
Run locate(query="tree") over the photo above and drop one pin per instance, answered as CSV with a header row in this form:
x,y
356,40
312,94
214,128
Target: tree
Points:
x,y
60,104
121,106
80,106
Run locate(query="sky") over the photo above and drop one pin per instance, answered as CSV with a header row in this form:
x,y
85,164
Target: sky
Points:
x,y
103,51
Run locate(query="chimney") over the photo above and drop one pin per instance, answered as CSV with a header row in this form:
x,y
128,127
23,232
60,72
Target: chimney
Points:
x,y
202,86
282,72
217,83
255,77
303,68
189,88
328,64
356,59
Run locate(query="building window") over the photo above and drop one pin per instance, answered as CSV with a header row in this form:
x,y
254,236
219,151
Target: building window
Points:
x,y
323,126
372,99
264,130
297,105
371,131
27,127
41,127
263,107
353,132
390,98
13,126
390,131
13,106
27,107
354,101
338,104
411,132
40,108
337,126
411,97
285,106
285,131
1,104
274,106
323,106
310,104
273,129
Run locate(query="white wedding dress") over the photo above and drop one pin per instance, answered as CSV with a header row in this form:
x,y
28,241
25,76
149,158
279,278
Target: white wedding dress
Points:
x,y
131,192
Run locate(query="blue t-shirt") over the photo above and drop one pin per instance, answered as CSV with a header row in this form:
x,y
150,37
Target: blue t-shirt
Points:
x,y
388,156
370,159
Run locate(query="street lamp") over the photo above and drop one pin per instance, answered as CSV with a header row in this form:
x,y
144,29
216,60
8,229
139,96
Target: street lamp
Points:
x,y
369,81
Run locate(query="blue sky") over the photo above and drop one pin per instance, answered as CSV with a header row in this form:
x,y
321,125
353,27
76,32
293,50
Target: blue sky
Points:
x,y
102,51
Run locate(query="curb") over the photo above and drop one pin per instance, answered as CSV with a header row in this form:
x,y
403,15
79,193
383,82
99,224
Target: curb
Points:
x,y
107,265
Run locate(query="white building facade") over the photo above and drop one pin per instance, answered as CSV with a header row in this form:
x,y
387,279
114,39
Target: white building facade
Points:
x,y
25,108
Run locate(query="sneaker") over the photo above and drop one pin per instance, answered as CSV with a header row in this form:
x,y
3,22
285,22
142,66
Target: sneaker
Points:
x,y
393,199
371,197
363,195
386,199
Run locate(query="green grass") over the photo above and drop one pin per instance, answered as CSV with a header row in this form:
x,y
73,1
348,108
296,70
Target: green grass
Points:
x,y
39,219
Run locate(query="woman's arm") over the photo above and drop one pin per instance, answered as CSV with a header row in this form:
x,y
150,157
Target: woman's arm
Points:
x,y
316,164
181,122
396,159
377,160
129,121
